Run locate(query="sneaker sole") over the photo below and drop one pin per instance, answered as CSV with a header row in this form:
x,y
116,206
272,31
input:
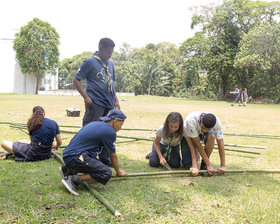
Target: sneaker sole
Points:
x,y
69,188
205,175
61,172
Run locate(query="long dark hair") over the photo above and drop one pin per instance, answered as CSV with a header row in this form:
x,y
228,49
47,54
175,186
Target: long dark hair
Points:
x,y
173,117
36,119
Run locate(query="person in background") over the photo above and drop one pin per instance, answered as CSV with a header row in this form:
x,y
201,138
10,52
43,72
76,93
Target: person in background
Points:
x,y
99,96
236,93
42,132
244,97
80,156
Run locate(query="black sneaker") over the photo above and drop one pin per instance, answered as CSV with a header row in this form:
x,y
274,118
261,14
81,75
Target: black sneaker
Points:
x,y
148,155
68,182
66,171
63,171
203,167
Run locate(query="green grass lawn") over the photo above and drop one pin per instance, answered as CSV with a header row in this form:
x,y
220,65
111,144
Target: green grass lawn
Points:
x,y
33,193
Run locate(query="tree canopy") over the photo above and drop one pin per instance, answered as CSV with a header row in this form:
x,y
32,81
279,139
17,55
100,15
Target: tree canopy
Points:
x,y
36,47
238,46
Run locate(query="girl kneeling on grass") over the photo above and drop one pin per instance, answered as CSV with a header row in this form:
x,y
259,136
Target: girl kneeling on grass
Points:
x,y
42,132
166,150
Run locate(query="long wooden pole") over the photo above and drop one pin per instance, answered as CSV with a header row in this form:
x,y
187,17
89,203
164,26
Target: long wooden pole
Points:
x,y
98,196
142,129
143,138
107,204
245,146
226,149
148,139
180,172
254,135
240,150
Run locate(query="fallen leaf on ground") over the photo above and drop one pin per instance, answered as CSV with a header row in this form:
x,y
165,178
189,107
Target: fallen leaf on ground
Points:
x,y
189,184
216,206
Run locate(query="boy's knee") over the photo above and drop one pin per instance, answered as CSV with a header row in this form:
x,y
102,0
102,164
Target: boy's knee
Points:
x,y
211,137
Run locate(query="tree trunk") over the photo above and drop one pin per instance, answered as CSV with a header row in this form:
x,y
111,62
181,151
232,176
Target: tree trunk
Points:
x,y
37,85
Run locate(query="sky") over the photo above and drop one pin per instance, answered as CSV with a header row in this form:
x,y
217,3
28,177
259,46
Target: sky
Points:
x,y
81,24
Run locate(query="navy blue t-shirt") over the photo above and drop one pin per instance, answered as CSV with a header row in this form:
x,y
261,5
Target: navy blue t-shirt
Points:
x,y
97,81
93,138
46,132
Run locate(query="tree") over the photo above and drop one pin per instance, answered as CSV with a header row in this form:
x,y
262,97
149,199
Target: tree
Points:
x,y
224,29
68,68
36,47
260,56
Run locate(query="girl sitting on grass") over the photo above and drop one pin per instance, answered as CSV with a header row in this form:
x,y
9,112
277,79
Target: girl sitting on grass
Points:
x,y
166,150
42,132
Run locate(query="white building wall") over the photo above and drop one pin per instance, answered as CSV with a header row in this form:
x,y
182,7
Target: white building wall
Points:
x,y
7,66
12,79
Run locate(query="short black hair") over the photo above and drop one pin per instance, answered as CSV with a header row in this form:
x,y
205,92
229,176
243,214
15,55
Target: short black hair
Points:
x,y
106,42
209,120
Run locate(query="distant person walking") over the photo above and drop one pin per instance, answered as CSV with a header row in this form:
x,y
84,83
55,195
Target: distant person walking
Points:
x,y
99,96
42,132
244,97
236,93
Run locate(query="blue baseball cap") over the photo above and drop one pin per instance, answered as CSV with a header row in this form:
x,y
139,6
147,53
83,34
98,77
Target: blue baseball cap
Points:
x,y
114,114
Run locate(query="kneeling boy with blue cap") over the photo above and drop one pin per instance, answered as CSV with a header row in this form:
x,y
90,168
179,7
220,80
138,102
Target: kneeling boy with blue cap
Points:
x,y
80,155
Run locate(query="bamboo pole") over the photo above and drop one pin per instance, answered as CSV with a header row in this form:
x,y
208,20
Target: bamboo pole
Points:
x,y
143,129
254,135
138,129
58,157
180,172
245,146
150,139
240,150
98,196
135,137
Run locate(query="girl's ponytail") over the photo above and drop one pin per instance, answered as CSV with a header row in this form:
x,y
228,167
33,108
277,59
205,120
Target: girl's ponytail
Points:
x,y
36,119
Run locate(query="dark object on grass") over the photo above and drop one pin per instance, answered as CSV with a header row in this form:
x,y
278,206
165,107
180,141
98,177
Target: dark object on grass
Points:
x,y
73,112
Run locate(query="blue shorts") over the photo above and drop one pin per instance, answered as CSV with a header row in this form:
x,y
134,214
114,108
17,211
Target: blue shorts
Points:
x,y
31,152
236,99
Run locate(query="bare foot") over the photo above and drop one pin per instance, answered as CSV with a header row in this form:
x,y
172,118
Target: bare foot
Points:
x,y
2,156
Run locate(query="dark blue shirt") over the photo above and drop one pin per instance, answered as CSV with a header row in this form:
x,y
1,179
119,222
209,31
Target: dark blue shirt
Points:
x,y
97,81
93,138
46,132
